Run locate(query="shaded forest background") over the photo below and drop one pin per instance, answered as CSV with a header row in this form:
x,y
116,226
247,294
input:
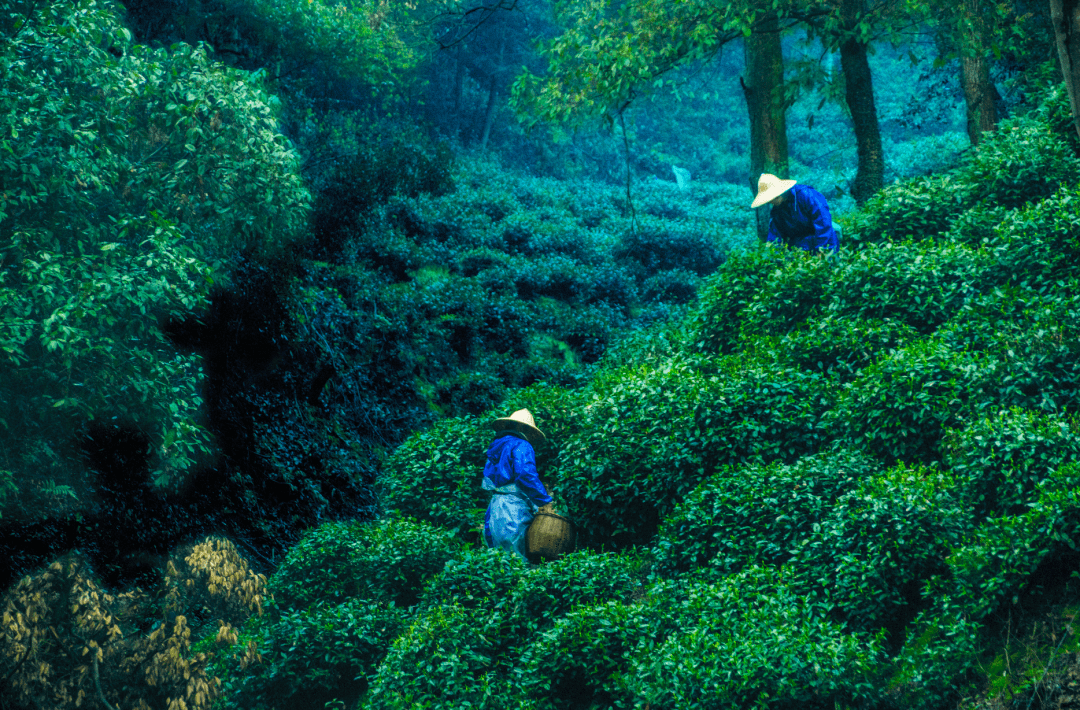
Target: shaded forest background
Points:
x,y
265,266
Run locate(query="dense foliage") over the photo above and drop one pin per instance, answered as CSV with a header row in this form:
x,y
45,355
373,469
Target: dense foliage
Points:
x,y
245,290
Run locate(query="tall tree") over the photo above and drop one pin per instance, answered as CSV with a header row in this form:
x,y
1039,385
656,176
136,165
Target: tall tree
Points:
x,y
859,93
1066,18
762,86
979,91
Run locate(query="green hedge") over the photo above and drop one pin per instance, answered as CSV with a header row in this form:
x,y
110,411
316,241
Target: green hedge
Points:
x,y
750,641
912,210
444,659
867,561
920,284
837,346
1001,459
383,561
898,409
755,514
309,657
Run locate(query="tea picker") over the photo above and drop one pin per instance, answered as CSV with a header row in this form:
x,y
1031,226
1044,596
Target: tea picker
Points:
x,y
800,216
518,496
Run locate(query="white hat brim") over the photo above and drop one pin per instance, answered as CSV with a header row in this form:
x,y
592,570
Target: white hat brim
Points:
x,y
777,189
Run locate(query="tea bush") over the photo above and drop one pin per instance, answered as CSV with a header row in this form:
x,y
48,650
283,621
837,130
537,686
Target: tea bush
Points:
x,y
435,475
1039,245
752,642
476,579
1022,161
717,320
900,407
308,658
995,560
759,414
620,471
837,346
920,284
868,560
999,460
663,245
548,592
577,663
788,296
442,659
912,210
388,561
755,515
1032,337
672,286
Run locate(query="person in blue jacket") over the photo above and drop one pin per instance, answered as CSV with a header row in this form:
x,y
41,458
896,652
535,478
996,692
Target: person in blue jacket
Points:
x,y
800,215
510,475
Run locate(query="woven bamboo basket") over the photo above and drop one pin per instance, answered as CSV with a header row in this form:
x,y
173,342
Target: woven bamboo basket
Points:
x,y
550,536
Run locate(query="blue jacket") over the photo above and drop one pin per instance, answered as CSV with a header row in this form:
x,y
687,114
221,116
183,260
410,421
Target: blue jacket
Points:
x,y
510,475
803,221
512,459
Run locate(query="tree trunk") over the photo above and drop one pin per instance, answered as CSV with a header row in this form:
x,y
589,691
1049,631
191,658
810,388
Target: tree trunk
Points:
x,y
489,115
762,88
459,81
859,92
975,70
1065,15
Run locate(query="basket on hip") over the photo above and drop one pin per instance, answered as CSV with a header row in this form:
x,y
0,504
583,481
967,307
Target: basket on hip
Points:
x,y
550,536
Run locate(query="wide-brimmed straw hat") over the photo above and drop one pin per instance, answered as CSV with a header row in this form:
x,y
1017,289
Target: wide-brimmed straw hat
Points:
x,y
769,187
522,417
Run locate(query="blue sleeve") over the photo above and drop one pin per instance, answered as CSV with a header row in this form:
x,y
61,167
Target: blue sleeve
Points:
x,y
817,210
527,478
773,237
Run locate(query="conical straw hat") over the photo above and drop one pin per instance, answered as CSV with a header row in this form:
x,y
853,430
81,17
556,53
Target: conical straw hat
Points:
x,y
770,187
521,416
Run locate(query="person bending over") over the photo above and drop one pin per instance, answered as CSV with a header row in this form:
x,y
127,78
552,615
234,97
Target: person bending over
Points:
x,y
800,215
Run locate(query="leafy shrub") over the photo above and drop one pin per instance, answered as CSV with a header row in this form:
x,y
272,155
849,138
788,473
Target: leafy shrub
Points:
x,y
911,210
1001,459
556,277
477,579
632,455
578,662
716,322
548,592
671,286
761,414
787,296
386,561
977,226
899,407
435,476
755,514
941,648
921,285
1022,161
664,245
869,558
730,654
1039,245
443,659
836,345
307,658
1032,337
1054,111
